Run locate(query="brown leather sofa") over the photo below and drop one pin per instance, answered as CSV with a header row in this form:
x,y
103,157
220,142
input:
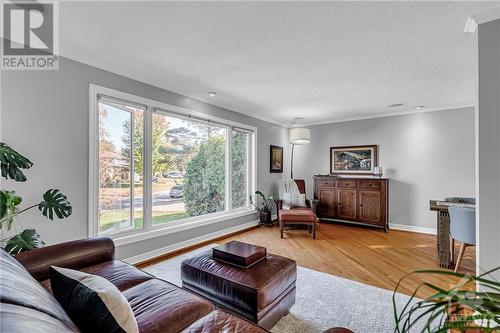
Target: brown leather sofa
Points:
x,y
26,304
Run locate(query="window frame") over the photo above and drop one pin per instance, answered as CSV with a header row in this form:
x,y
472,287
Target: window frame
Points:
x,y
148,230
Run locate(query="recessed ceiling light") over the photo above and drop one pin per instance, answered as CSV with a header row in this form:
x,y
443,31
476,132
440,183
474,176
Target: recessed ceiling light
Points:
x,y
395,105
212,94
419,107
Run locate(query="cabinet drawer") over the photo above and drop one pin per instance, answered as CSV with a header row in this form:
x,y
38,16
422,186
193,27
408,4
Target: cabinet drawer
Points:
x,y
369,183
324,180
346,183
327,182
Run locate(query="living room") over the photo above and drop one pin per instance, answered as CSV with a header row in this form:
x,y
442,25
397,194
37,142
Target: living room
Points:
x,y
250,166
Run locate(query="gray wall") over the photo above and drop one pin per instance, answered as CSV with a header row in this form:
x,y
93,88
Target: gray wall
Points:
x,y
45,115
426,155
488,217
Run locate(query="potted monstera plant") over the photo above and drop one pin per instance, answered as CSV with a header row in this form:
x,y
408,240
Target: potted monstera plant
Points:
x,y
53,203
262,206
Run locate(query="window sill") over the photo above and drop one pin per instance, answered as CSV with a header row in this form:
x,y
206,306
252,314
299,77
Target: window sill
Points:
x,y
129,239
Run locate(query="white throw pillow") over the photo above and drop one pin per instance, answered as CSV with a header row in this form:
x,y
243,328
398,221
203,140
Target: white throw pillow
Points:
x,y
92,302
290,194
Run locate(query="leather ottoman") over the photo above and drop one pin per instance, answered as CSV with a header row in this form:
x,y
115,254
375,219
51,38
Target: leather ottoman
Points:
x,y
262,293
298,216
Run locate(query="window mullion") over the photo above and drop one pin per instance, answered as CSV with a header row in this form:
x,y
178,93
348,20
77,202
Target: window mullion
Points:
x,y
249,168
132,168
229,170
148,171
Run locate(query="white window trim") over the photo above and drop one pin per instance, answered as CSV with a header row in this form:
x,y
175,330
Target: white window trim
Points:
x,y
150,231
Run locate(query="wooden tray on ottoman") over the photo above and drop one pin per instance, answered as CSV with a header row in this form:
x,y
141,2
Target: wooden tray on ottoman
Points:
x,y
239,254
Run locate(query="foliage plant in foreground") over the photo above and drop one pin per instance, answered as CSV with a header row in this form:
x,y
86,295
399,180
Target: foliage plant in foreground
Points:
x,y
472,305
53,202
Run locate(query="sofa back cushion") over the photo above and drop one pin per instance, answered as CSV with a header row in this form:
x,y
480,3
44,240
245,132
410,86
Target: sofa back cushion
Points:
x,y
18,287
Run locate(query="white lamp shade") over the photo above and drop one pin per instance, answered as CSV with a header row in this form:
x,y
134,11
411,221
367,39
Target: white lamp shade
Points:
x,y
299,136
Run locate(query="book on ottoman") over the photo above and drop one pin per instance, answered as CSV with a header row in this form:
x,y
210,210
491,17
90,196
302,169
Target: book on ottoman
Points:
x,y
239,254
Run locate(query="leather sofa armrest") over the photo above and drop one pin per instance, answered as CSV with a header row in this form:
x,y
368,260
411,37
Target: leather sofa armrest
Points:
x,y
73,255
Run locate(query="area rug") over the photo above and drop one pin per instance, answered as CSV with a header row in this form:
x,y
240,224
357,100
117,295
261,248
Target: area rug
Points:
x,y
323,301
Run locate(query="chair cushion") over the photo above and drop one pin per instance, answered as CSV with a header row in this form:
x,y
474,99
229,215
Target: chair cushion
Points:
x,y
222,322
161,307
297,215
94,303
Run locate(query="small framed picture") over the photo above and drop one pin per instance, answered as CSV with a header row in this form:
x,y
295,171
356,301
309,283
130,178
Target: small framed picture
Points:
x,y
276,159
354,160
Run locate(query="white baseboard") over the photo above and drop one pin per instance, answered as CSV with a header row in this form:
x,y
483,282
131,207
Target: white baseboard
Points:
x,y
179,246
411,228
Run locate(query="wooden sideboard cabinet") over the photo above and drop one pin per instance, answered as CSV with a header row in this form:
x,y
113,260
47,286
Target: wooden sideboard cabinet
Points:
x,y
360,200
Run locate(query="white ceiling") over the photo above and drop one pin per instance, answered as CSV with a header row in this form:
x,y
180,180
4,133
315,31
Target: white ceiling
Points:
x,y
324,61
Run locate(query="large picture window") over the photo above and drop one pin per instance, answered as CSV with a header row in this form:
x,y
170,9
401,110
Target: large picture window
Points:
x,y
157,166
189,168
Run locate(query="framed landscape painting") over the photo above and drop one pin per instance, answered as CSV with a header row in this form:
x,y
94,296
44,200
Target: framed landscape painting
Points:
x,y
354,160
276,163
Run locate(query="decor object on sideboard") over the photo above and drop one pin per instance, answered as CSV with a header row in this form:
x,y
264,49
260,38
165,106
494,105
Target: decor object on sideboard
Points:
x,y
378,171
470,305
361,200
298,136
261,204
357,160
276,159
53,203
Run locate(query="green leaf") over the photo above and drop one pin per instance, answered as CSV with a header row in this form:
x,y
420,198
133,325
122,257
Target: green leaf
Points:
x,y
8,202
260,194
55,202
439,313
27,240
11,163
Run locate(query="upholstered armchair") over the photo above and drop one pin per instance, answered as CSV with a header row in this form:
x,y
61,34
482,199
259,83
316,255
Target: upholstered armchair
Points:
x,y
293,208
301,185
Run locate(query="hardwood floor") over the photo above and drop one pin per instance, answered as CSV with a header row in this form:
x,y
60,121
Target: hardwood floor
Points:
x,y
362,254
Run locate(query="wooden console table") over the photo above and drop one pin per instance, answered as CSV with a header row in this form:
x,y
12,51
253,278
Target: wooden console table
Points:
x,y
444,243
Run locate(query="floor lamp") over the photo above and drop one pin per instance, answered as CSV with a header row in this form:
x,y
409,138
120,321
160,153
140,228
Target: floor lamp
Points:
x,y
298,136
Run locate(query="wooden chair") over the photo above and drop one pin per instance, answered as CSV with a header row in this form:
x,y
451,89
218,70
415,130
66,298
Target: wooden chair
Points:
x,y
298,215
